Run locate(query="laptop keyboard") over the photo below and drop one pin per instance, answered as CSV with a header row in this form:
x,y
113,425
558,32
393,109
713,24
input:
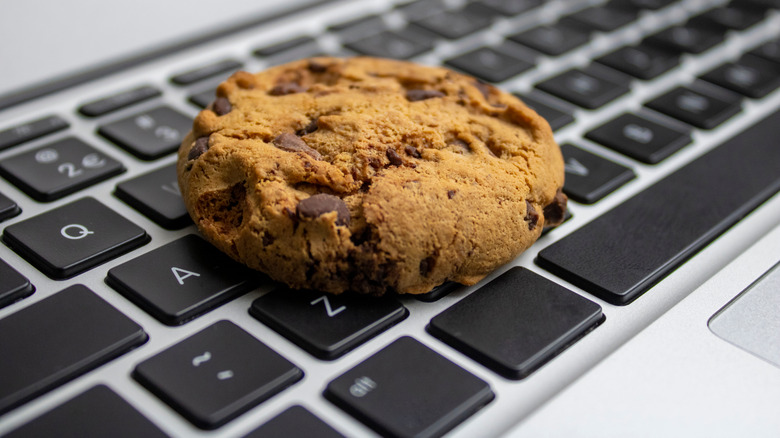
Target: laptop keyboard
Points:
x,y
111,305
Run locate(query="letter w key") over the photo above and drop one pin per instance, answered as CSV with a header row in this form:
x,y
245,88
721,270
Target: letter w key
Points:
x,y
328,309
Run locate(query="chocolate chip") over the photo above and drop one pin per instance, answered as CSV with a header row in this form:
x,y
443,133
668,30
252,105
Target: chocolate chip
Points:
x,y
316,67
415,95
459,146
308,129
450,194
555,212
395,159
286,88
292,143
411,150
221,106
200,148
426,265
322,203
484,88
268,239
375,162
531,216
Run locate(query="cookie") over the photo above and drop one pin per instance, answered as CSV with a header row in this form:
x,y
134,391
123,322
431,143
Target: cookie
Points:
x,y
369,175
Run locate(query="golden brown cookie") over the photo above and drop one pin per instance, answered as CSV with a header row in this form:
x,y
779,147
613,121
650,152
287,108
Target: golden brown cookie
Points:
x,y
369,175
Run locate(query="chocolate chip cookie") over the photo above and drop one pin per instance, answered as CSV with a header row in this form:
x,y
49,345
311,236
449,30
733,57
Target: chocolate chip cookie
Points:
x,y
369,175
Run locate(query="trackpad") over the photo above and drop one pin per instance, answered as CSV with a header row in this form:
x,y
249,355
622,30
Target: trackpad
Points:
x,y
751,321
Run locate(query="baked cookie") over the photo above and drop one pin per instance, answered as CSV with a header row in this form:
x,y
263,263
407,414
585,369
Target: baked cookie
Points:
x,y
369,175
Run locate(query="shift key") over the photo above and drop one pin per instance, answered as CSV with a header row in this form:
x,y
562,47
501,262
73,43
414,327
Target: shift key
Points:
x,y
624,252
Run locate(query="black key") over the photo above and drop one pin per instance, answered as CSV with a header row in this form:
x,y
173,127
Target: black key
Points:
x,y
516,323
359,27
455,24
642,61
13,285
417,9
391,44
220,68
72,238
728,17
327,326
210,381
511,7
97,412
156,194
8,208
438,292
750,76
203,98
57,339
293,44
58,169
553,40
769,51
181,280
118,101
703,109
641,4
640,138
150,134
557,118
408,390
489,64
30,131
583,88
295,421
590,177
689,39
667,223
603,18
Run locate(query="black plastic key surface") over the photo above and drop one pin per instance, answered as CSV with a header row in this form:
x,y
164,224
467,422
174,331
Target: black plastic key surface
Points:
x,y
216,374
149,134
391,44
603,18
118,101
13,285
327,326
57,339
516,323
728,17
31,130
295,421
203,98
97,412
642,61
8,208
555,39
181,280
511,7
640,138
59,169
455,24
555,116
292,44
156,194
702,108
219,68
687,38
670,221
750,76
769,51
408,390
489,64
72,238
584,88
590,177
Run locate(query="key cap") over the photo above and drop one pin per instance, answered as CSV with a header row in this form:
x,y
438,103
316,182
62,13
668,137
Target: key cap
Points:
x,y
640,138
203,98
156,194
327,326
489,64
73,238
97,412
118,101
553,40
408,390
417,9
556,117
516,323
31,130
40,354
511,7
589,177
149,134
769,51
181,280
670,221
438,292
704,109
641,4
13,285
58,169
750,76
603,18
289,45
8,208
220,68
642,61
689,39
295,421
728,17
391,44
359,27
583,88
210,381
455,24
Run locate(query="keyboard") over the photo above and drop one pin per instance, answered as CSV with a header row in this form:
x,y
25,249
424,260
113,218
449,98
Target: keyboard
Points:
x,y
118,319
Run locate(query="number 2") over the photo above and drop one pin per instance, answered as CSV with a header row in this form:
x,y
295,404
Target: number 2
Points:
x,y
69,169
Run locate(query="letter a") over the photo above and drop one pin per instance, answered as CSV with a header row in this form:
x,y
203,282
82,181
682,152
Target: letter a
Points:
x,y
182,274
